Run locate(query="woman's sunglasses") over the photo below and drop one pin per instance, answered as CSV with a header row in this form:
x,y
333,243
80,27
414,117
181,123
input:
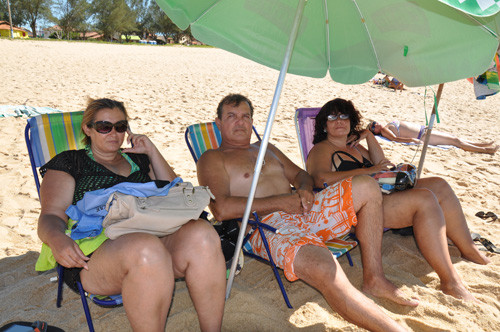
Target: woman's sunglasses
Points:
x,y
105,127
333,117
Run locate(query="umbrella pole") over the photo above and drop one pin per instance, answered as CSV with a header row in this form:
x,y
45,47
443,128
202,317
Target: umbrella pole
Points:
x,y
429,131
265,141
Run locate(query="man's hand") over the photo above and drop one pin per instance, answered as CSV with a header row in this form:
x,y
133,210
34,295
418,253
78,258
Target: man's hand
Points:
x,y
306,199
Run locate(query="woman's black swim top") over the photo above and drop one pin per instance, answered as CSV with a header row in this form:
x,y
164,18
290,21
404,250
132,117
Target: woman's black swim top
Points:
x,y
349,165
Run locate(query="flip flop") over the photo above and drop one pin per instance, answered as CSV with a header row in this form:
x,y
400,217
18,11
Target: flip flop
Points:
x,y
487,215
485,242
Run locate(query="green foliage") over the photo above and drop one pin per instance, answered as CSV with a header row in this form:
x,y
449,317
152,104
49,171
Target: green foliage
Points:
x,y
72,16
162,24
114,17
29,11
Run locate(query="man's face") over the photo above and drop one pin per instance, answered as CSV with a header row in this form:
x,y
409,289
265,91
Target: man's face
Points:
x,y
236,122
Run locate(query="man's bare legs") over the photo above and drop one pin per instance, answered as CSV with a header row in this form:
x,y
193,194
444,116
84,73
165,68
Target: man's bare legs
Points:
x,y
142,268
456,225
419,208
367,200
317,267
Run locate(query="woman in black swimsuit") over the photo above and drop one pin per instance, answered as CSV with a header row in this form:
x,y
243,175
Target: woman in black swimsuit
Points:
x,y
432,207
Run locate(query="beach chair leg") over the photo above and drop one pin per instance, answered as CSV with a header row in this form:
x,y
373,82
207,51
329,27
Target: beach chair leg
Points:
x,y
60,281
85,307
349,258
275,269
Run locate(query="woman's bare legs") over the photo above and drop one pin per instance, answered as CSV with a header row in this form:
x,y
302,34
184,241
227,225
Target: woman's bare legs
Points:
x,y
438,138
143,267
419,207
456,225
198,257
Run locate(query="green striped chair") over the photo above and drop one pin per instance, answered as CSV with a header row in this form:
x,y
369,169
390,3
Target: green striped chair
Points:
x,y
47,135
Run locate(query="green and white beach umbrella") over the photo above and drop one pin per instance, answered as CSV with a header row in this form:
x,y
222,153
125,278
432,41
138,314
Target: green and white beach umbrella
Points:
x,y
420,42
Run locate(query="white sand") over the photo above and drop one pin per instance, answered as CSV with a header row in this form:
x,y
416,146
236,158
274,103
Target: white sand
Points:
x,y
168,88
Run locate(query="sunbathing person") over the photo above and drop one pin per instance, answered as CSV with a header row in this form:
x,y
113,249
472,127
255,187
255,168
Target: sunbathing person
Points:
x,y
299,216
407,132
431,207
140,266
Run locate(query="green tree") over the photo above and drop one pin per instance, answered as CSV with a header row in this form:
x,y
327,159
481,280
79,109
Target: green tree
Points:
x,y
162,24
114,17
72,16
30,11
18,15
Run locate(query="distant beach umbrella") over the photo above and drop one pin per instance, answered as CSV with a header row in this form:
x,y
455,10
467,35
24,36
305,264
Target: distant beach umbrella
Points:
x,y
420,42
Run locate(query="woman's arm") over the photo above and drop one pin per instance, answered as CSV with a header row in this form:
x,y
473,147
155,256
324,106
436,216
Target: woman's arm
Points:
x,y
56,194
160,169
374,153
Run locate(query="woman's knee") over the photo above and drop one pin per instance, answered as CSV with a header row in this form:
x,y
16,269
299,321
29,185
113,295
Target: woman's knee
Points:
x,y
145,250
201,235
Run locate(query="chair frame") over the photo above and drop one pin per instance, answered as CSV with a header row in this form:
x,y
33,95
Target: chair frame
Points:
x,y
35,163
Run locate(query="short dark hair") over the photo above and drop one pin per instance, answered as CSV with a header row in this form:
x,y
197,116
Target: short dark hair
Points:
x,y
235,100
93,107
336,106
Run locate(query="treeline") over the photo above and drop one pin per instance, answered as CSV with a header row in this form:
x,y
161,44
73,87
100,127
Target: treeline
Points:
x,y
107,17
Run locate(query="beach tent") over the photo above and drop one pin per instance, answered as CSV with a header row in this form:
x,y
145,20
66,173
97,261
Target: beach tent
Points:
x,y
18,32
421,42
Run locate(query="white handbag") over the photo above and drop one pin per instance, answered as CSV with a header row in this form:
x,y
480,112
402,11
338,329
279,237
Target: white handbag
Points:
x,y
157,215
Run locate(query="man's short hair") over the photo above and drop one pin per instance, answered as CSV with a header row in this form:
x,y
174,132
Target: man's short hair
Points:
x,y
234,100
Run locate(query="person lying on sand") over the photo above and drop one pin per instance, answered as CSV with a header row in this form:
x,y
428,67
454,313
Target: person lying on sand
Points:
x,y
301,217
142,267
407,132
431,207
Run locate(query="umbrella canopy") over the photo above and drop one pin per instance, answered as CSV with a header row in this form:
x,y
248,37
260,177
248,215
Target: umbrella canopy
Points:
x,y
420,42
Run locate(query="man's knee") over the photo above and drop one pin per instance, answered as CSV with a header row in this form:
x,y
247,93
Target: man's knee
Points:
x,y
315,263
364,189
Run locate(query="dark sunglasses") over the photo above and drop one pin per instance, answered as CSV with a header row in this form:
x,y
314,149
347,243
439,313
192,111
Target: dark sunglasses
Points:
x,y
105,127
341,116
372,128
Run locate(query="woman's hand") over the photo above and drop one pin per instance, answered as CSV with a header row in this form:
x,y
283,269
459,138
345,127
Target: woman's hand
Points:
x,y
354,140
67,253
383,165
140,143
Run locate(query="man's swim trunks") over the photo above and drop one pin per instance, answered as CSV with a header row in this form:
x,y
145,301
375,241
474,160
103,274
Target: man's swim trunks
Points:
x,y
331,216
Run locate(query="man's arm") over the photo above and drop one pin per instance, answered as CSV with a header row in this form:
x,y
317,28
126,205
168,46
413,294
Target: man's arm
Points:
x,y
212,173
300,179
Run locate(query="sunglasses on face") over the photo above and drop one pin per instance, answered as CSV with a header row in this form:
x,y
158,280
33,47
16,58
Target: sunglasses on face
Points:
x,y
372,128
105,127
333,117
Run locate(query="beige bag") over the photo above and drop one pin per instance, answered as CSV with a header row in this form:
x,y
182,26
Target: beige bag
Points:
x,y
157,215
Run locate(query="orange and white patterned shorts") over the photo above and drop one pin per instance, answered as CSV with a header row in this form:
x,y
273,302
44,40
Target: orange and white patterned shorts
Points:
x,y
331,216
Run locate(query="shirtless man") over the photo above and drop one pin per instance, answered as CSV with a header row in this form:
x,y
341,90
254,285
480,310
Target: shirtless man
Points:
x,y
305,220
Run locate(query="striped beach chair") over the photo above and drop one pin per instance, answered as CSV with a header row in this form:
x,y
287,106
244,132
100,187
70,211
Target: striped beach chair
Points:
x,y
201,137
47,135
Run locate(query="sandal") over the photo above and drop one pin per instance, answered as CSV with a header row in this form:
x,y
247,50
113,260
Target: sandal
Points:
x,y
485,242
487,215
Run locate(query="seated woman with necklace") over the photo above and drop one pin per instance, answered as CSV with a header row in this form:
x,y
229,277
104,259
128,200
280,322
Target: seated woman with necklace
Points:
x,y
432,207
140,266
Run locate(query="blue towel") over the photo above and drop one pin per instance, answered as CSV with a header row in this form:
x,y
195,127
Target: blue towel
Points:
x,y
89,212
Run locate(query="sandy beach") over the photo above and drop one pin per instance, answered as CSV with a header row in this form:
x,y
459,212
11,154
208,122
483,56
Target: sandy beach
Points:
x,y
166,89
